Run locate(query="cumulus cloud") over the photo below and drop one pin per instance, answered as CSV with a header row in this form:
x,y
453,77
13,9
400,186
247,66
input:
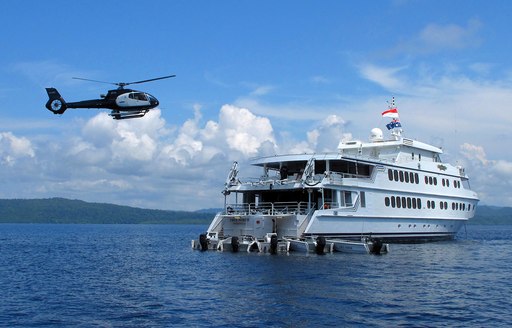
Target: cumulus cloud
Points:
x,y
13,148
488,176
142,160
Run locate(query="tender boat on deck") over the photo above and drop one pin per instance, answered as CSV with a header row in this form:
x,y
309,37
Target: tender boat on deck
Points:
x,y
362,195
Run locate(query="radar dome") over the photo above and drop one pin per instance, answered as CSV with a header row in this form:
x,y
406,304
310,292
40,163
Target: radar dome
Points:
x,y
376,135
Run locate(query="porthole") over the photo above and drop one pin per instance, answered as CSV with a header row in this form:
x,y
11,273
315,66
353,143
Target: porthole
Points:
x,y
409,202
443,182
419,203
416,178
426,179
411,177
430,180
393,204
406,177
386,201
390,175
428,204
414,203
395,175
435,181
401,173
404,202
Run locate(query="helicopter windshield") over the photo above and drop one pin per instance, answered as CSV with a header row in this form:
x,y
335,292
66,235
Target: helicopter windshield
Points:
x,y
138,96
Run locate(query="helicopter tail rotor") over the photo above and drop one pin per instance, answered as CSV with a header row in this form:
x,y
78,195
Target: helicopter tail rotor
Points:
x,y
56,103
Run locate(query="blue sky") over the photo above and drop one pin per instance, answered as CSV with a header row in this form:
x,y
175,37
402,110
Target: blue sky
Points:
x,y
253,78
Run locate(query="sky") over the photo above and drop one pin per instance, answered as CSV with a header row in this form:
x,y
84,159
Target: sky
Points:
x,y
253,78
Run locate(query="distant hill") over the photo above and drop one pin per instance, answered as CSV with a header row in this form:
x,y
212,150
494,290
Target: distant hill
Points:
x,y
61,210
492,215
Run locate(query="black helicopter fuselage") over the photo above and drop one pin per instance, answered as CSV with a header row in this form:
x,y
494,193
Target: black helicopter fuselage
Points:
x,y
119,99
124,103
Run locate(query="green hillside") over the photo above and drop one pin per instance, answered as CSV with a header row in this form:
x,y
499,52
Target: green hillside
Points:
x,y
60,210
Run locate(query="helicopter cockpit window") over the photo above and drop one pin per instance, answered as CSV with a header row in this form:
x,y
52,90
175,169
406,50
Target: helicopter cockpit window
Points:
x,y
138,96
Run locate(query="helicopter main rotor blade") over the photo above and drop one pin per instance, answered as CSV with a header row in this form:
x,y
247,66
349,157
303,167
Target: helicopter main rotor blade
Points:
x,y
79,78
157,78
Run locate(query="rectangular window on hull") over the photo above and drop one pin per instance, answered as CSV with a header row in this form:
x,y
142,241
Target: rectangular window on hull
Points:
x,y
363,199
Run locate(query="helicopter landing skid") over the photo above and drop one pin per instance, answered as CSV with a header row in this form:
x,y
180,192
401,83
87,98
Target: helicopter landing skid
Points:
x,y
117,115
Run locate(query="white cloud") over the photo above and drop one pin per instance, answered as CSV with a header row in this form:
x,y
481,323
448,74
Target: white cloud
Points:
x,y
384,76
244,131
451,36
437,38
490,178
13,148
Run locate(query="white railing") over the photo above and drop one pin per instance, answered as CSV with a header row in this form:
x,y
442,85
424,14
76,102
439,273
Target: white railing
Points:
x,y
267,208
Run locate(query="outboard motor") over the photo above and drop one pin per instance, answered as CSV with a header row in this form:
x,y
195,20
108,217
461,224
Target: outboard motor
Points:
x,y
203,242
234,244
376,246
320,245
273,244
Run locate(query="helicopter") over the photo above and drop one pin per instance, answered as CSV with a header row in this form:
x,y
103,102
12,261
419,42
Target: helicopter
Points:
x,y
124,103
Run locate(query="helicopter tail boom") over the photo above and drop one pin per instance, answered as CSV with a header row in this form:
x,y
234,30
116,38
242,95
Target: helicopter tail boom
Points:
x,y
56,103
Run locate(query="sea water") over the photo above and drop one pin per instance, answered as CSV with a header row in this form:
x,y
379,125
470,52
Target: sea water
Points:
x,y
148,276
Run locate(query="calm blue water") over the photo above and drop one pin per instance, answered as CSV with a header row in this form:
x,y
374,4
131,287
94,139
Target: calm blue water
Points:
x,y
147,275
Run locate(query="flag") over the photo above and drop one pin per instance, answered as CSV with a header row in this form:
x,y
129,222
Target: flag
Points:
x,y
392,112
394,124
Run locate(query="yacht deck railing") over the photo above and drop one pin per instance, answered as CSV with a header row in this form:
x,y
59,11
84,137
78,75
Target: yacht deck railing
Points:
x,y
267,208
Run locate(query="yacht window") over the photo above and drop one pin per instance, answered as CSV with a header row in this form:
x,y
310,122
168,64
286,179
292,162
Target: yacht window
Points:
x,y
395,175
414,203
419,203
416,178
406,176
409,203
435,181
386,201
404,205
393,201
348,198
401,176
398,202
363,199
390,174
